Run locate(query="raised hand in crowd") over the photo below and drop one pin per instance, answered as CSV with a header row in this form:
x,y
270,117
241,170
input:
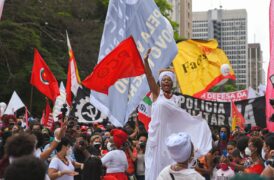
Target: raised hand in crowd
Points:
x,y
59,133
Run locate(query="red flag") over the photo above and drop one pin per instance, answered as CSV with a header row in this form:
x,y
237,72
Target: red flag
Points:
x,y
73,79
122,62
47,119
237,118
42,78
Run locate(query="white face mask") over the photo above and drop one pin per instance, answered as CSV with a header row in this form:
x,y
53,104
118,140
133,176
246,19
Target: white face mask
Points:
x,y
69,151
263,154
192,163
109,146
247,152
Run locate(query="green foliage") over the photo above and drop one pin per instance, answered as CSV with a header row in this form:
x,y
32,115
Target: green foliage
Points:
x,y
229,86
29,24
164,7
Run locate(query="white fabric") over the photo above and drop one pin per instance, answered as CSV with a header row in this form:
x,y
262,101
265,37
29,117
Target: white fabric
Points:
x,y
1,7
15,103
228,173
166,73
73,71
47,177
140,165
115,161
37,153
57,164
179,146
261,89
251,93
168,118
58,104
185,174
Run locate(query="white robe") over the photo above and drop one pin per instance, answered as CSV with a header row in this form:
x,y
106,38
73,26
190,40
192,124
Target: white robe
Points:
x,y
185,174
167,118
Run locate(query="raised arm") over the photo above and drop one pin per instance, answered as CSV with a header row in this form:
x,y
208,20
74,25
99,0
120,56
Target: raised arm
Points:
x,y
154,88
46,153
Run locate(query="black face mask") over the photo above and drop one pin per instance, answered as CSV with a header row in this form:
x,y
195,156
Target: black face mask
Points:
x,y
46,137
97,146
40,138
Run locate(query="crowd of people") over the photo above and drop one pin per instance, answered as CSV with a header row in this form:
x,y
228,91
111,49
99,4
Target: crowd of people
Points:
x,y
176,146
101,151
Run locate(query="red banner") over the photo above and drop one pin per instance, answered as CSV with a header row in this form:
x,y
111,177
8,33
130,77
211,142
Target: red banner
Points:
x,y
225,97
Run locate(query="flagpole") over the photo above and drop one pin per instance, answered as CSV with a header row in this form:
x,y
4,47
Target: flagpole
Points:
x,y
31,94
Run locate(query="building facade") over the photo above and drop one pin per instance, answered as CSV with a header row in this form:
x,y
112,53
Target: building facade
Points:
x,y
229,27
182,14
255,63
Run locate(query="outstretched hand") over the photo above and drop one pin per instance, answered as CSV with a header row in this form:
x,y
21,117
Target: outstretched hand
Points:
x,y
147,54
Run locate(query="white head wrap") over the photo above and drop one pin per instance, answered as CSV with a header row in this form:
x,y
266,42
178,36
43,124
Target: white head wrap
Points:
x,y
179,146
166,73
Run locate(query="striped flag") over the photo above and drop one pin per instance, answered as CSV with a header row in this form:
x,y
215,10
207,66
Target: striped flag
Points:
x,y
47,118
144,110
73,79
1,7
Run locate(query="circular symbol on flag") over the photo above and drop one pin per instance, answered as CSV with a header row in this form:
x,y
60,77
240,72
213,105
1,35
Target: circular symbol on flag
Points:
x,y
43,76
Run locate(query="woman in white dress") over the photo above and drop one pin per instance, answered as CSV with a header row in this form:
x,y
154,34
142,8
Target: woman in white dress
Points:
x,y
167,118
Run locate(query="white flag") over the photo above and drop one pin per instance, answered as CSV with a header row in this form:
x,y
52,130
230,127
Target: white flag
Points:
x,y
1,7
15,103
142,20
60,100
251,93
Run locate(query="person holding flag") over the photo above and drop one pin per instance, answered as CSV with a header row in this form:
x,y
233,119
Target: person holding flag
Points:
x,y
168,118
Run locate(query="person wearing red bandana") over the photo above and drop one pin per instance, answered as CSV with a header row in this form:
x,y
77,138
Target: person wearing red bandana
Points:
x,y
115,160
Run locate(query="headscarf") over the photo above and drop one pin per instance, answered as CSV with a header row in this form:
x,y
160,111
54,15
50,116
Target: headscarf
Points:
x,y
166,73
119,137
179,146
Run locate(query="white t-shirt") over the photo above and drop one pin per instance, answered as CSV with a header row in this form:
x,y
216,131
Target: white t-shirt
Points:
x,y
185,174
220,174
115,161
37,153
57,164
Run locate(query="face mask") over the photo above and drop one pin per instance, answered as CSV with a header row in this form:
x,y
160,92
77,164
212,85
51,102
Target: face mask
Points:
x,y
69,152
109,146
263,154
223,136
97,145
223,166
247,152
192,163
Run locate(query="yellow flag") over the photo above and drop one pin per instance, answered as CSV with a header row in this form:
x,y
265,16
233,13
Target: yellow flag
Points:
x,y
198,66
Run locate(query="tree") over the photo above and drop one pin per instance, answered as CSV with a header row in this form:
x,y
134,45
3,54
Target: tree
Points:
x,y
229,86
29,24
